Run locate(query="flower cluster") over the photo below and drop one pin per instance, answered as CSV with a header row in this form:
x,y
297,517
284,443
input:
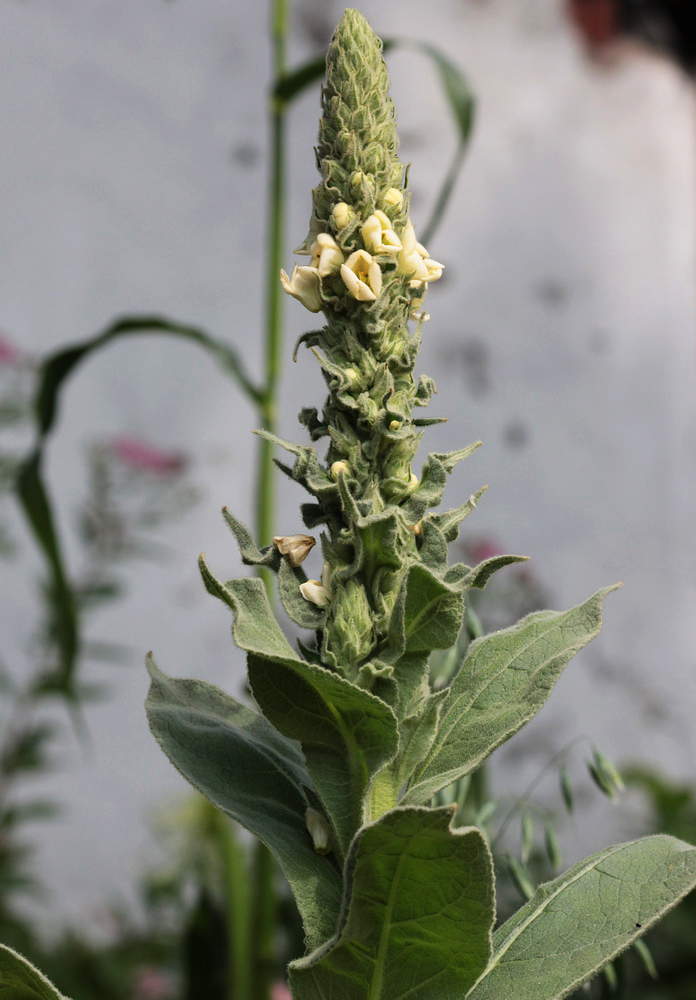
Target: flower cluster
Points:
x,y
360,271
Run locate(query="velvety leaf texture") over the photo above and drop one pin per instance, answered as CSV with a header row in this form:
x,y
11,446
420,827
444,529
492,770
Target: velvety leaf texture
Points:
x,y
346,733
505,679
417,918
574,925
19,980
244,767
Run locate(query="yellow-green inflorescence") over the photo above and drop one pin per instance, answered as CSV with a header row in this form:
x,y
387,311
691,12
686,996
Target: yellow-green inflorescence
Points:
x,y
368,275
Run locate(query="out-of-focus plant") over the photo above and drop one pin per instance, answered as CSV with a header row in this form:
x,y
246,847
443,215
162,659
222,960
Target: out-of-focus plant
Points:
x,y
132,488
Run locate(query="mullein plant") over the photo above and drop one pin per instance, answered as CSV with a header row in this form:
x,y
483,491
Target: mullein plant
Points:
x,y
338,770
337,767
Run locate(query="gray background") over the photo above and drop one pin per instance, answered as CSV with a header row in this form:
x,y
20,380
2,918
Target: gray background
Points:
x,y
133,172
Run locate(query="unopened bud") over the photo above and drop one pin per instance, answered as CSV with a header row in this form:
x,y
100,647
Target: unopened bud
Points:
x,y
339,468
319,831
417,528
295,547
394,425
342,214
394,197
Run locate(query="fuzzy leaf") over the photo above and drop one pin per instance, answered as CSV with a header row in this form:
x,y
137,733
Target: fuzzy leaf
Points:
x,y
505,679
431,488
481,574
255,628
428,614
417,917
234,757
20,980
573,926
448,522
251,554
346,733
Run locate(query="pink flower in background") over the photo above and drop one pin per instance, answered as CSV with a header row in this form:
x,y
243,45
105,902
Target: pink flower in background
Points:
x,y
484,549
9,354
280,992
145,458
152,983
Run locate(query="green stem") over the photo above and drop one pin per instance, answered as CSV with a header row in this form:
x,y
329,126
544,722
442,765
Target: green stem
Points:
x,y
265,492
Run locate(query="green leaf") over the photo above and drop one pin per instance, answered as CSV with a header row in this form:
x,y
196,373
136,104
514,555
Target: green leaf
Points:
x,y
417,917
347,734
19,980
234,757
255,628
427,616
576,924
251,554
449,520
431,488
481,574
504,681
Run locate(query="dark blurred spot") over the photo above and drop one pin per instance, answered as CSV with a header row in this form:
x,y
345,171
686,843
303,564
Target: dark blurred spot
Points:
x,y
515,435
246,154
666,25
471,357
552,292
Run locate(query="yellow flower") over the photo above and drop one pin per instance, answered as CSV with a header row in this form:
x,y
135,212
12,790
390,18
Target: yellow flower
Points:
x,y
326,255
342,214
303,285
318,591
394,197
414,260
295,547
378,236
362,276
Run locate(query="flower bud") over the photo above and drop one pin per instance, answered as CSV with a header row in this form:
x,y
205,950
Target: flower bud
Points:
x,y
342,214
295,547
319,831
339,468
393,197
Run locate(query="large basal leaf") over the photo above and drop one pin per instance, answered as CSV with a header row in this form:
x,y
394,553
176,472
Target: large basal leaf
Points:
x,y
19,980
347,734
417,919
504,681
234,757
574,925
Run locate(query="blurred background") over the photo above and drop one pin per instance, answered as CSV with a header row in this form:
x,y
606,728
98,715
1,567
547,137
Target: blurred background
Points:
x,y
134,175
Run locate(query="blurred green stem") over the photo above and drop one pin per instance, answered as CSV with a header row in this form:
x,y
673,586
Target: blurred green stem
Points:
x,y
265,490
